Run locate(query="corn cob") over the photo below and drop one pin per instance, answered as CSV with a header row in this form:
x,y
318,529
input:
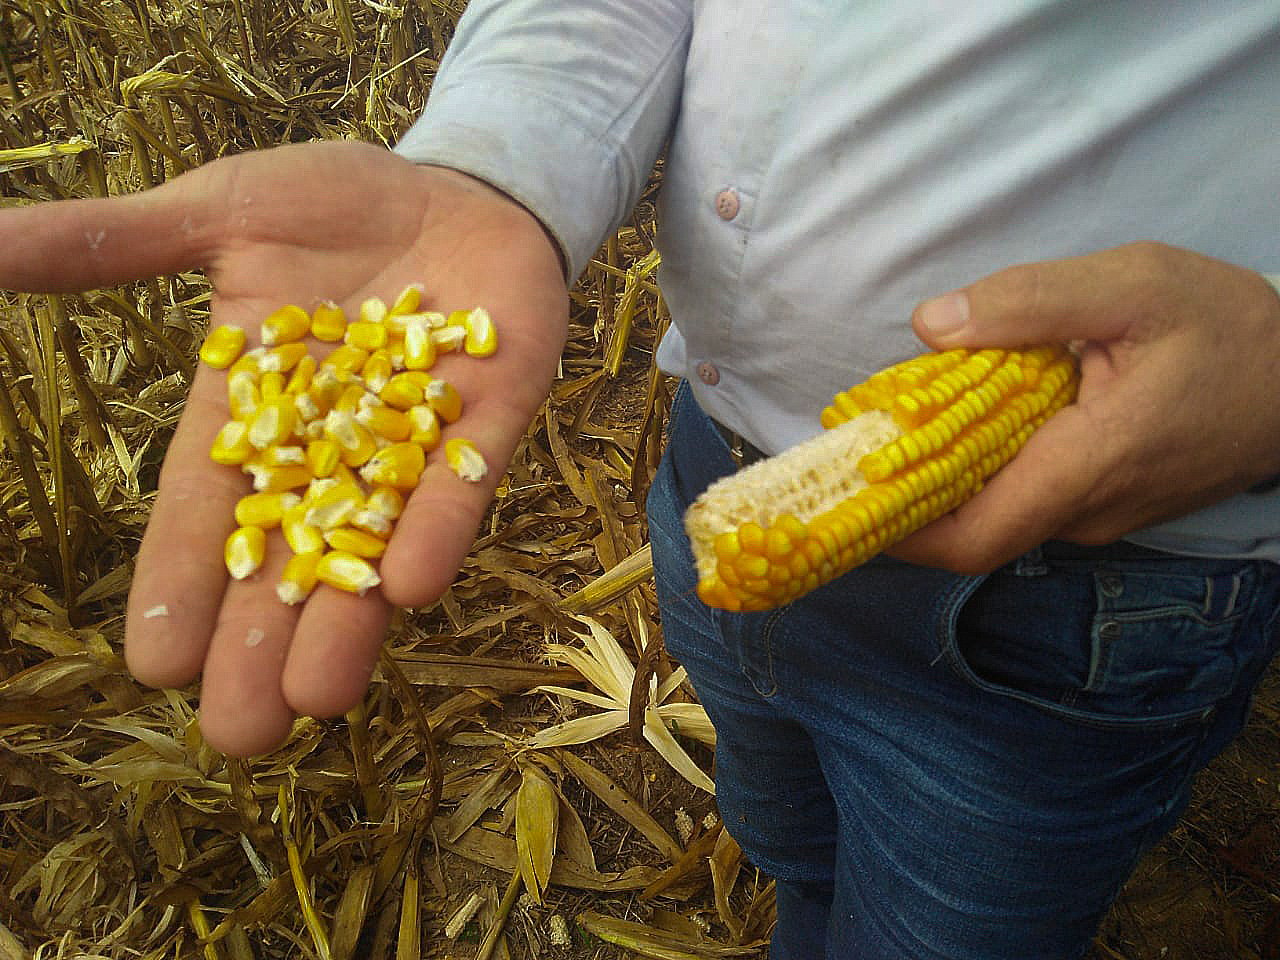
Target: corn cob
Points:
x,y
333,446
910,444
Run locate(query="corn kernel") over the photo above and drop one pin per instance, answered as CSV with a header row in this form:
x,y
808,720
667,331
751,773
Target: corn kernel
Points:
x,y
298,578
302,537
377,370
268,479
264,510
401,392
328,322
273,422
366,335
283,358
399,465
288,324
271,385
482,335
244,551
223,345
356,542
386,500
465,459
300,379
419,349
424,427
243,395
444,399
386,422
372,523
322,456
249,362
373,310
409,300
346,359
449,339
231,447
334,507
346,571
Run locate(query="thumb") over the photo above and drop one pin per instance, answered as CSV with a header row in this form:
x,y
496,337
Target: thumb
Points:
x,y
1053,301
71,245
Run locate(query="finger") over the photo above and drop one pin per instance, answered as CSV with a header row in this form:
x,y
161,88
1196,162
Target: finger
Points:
x,y
1056,301
179,579
335,648
82,244
1064,470
243,711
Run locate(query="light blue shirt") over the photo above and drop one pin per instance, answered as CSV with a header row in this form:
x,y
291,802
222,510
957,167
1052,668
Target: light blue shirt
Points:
x,y
832,164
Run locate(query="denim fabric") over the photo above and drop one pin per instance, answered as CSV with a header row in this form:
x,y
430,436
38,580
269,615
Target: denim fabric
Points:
x,y
937,766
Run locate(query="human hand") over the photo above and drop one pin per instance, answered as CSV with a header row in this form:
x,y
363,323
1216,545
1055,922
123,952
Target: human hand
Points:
x,y
1178,357
299,224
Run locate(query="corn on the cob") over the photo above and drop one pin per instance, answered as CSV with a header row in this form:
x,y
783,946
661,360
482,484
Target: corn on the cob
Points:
x,y
907,446
332,446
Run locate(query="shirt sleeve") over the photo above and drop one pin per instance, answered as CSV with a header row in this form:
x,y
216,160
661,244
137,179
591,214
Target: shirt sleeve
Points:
x,y
563,105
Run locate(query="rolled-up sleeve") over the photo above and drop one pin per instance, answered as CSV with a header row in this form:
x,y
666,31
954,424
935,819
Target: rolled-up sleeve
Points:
x,y
562,104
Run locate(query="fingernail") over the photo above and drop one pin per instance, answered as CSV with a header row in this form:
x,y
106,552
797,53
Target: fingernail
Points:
x,y
945,314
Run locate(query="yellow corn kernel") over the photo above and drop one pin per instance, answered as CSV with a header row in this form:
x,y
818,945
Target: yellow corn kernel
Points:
x,y
465,459
482,335
243,395
249,362
346,571
298,578
371,522
244,551
373,310
355,439
300,379
346,359
385,500
302,537
269,479
350,540
386,422
424,427
449,338
323,456
223,345
273,422
334,506
287,325
409,300
283,358
902,448
328,322
377,370
399,465
271,385
366,335
264,510
419,349
349,399
401,392
231,447
278,455
444,399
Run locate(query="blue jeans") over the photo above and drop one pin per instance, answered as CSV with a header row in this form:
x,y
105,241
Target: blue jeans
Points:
x,y
937,766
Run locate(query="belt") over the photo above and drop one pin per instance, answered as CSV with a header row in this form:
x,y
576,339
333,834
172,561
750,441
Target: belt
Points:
x,y
742,450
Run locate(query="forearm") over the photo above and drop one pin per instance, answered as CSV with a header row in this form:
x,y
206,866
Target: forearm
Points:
x,y
563,106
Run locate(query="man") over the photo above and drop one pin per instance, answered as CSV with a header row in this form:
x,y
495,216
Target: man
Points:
x,y
932,764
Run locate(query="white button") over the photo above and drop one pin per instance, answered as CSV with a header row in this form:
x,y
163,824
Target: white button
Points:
x,y
708,373
727,204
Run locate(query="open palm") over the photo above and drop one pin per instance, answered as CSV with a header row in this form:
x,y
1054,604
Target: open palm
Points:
x,y
299,224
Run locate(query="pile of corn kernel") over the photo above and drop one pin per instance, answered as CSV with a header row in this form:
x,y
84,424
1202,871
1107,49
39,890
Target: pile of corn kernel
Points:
x,y
334,446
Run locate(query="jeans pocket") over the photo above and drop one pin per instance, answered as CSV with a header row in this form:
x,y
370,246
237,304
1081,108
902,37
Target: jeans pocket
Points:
x,y
1117,642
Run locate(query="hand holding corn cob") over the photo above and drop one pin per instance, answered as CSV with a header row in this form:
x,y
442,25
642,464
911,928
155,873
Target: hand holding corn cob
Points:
x,y
299,224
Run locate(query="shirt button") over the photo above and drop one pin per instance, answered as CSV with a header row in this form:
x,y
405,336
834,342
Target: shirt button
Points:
x,y
708,373
727,204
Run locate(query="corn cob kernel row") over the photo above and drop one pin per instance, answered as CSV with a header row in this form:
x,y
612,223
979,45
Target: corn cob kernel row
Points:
x,y
903,448
334,445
